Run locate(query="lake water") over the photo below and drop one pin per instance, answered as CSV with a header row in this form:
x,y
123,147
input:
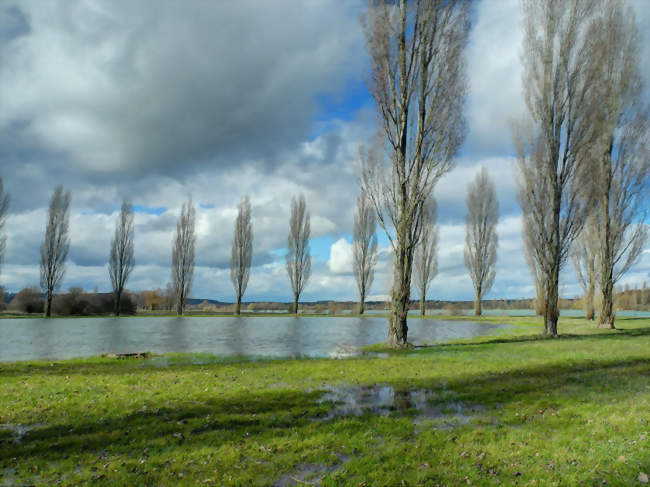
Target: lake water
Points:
x,y
278,336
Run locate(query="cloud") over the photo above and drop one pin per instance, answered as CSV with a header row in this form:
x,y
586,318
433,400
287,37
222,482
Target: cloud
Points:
x,y
161,101
119,88
340,261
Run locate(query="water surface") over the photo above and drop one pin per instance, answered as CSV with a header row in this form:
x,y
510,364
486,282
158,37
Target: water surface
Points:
x,y
279,336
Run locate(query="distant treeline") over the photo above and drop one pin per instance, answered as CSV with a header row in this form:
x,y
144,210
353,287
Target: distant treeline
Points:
x,y
77,302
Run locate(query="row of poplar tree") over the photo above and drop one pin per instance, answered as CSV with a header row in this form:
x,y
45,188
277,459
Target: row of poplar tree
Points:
x,y
480,252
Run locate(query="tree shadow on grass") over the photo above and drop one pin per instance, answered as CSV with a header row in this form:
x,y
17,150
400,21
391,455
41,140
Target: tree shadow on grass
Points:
x,y
271,414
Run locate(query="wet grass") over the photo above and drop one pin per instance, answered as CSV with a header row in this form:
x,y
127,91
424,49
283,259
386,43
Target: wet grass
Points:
x,y
534,411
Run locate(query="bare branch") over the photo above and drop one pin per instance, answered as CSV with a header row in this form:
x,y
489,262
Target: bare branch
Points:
x,y
242,251
481,240
426,253
121,260
418,82
298,257
183,248
364,247
55,246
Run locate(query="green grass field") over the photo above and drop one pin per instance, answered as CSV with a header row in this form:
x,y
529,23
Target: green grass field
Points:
x,y
515,409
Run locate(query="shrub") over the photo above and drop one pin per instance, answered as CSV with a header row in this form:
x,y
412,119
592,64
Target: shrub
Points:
x,y
28,300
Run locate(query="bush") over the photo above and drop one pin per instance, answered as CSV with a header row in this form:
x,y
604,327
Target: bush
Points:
x,y
78,303
453,309
28,300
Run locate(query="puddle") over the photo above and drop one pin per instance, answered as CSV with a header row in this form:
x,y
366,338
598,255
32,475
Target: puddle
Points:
x,y
8,478
19,430
384,400
310,473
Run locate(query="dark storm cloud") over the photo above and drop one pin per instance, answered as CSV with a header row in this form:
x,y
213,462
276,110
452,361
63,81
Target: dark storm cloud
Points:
x,y
117,89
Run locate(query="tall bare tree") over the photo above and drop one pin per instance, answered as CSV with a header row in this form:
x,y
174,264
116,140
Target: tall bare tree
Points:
x,y
121,259
55,246
558,77
364,247
529,234
298,256
426,252
584,256
418,82
4,208
184,244
242,251
481,240
622,161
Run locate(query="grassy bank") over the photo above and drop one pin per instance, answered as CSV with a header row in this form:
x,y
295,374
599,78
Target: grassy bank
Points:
x,y
513,409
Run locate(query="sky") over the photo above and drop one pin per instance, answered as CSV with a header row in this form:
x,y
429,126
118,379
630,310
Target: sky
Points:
x,y
162,101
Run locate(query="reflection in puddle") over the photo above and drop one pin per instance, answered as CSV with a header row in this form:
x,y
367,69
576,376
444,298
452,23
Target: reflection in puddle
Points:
x,y
19,430
428,405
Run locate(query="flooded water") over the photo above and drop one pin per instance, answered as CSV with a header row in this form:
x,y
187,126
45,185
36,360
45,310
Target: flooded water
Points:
x,y
277,336
426,404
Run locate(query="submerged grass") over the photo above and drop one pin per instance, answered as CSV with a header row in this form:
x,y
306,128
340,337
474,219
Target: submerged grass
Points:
x,y
567,411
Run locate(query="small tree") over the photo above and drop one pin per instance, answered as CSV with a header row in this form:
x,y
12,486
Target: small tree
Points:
x,y
481,239
364,247
242,251
426,253
529,236
55,246
121,260
183,256
298,256
584,256
4,207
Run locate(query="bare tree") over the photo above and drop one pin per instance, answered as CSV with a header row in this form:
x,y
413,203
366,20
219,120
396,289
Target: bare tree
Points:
x,y
529,233
481,240
121,260
419,85
54,249
622,161
298,256
585,263
364,247
242,251
426,252
4,207
558,77
184,244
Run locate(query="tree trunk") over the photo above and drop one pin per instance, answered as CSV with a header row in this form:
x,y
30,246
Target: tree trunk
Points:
x,y
423,305
397,325
48,305
551,312
362,303
589,305
478,303
238,305
118,298
295,304
607,316
179,307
